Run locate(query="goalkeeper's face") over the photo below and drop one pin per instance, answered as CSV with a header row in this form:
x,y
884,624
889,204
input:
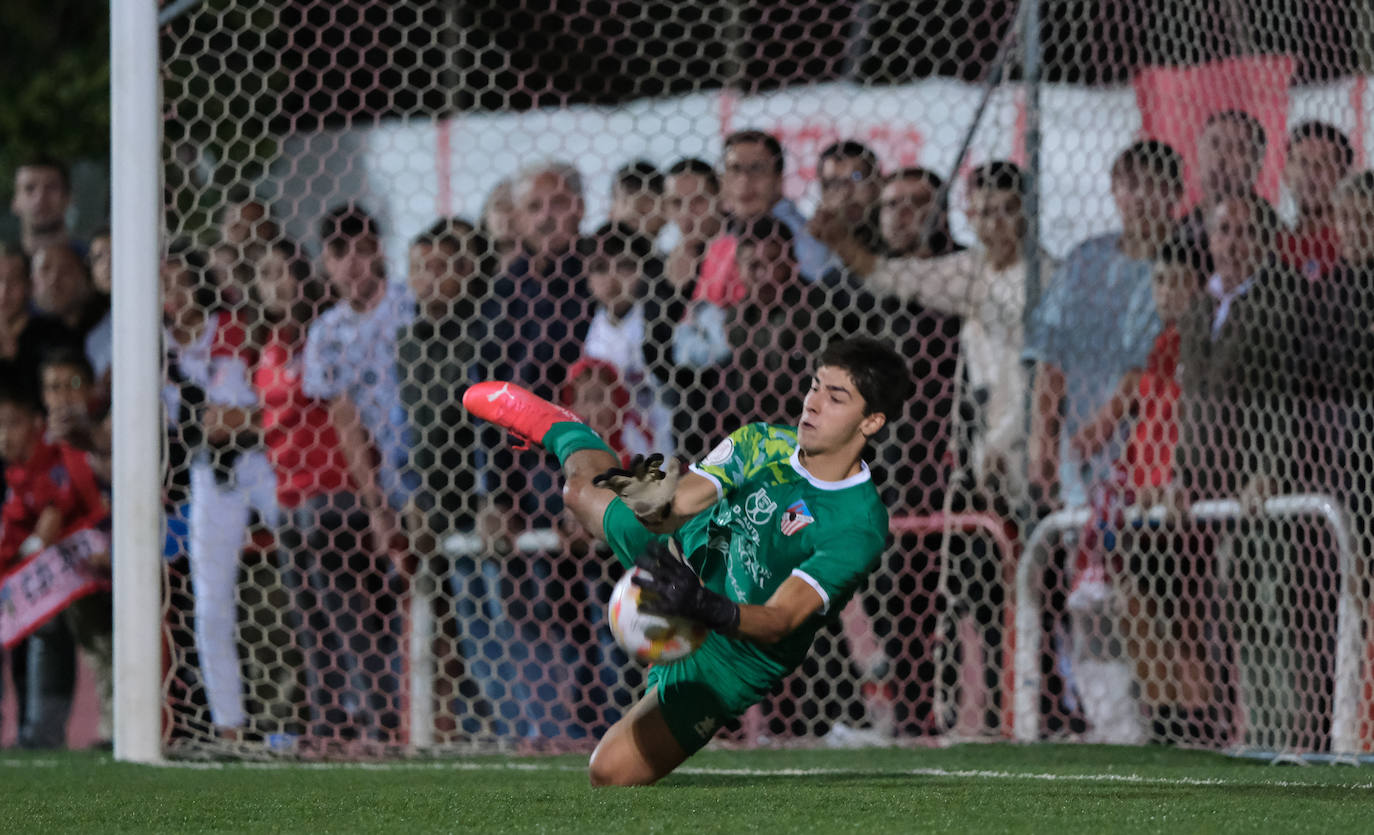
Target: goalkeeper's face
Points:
x,y
833,416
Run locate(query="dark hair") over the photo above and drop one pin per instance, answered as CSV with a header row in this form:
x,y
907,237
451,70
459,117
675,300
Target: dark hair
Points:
x,y
9,250
639,175
25,396
768,141
699,167
915,172
614,240
204,289
82,263
1327,133
999,175
46,161
66,356
1252,125
451,232
850,149
879,373
462,237
347,222
1360,184
314,291
1151,157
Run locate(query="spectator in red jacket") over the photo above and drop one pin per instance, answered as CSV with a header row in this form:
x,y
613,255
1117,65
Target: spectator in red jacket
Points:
x,y
1319,155
53,494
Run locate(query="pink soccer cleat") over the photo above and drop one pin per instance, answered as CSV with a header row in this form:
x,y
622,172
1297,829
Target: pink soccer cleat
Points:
x,y
525,414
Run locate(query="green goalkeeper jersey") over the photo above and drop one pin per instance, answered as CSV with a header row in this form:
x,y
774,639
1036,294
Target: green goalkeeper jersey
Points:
x,y
774,520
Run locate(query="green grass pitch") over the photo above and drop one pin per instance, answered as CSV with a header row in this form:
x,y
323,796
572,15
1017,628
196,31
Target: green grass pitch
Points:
x,y
1058,789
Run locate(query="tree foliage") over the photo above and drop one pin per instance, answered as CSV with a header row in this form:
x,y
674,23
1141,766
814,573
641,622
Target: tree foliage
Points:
x,y
54,82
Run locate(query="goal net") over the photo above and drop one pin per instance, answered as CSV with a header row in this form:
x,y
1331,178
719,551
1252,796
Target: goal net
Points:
x,y
1126,248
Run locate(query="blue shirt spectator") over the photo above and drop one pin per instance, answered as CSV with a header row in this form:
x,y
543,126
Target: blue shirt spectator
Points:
x,y
1095,323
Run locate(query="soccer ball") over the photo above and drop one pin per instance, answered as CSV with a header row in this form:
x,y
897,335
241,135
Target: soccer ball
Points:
x,y
652,639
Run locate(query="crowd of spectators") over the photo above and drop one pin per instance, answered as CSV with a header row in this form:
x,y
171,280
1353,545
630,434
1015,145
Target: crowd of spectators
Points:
x,y
1198,352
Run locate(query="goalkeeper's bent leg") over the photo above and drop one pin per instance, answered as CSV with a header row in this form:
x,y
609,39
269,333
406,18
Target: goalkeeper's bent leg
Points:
x,y
587,502
581,452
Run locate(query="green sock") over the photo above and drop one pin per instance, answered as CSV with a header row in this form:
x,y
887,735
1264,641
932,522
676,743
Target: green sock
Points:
x,y
568,436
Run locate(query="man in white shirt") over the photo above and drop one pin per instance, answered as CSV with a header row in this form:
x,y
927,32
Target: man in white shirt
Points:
x,y
986,286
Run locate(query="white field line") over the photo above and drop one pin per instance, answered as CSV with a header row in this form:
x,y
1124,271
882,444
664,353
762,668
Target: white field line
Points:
x,y
962,774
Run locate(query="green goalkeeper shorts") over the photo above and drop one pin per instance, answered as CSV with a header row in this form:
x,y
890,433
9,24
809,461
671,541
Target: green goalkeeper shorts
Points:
x,y
708,688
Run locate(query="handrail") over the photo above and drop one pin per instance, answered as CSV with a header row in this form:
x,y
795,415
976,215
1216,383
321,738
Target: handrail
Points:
x,y
1344,734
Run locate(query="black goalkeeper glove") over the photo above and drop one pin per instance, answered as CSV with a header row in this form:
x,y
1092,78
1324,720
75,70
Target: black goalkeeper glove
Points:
x,y
673,589
647,487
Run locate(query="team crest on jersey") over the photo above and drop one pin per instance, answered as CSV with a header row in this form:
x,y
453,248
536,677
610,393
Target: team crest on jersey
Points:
x,y
759,507
796,517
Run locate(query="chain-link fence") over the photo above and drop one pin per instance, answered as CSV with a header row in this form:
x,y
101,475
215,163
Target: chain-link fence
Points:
x,y
1127,259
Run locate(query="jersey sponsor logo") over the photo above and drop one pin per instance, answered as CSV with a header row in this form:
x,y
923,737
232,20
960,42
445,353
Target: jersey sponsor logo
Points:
x,y
720,454
796,517
759,507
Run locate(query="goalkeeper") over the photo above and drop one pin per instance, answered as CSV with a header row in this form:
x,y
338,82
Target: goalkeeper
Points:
x,y
781,525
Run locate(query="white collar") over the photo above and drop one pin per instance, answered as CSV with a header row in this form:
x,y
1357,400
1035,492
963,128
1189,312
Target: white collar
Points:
x,y
858,478
1215,288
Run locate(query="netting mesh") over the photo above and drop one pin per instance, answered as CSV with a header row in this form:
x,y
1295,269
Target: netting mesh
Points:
x,y
1129,500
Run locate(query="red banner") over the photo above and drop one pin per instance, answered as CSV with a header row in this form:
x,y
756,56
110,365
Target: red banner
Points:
x,y
45,584
1176,101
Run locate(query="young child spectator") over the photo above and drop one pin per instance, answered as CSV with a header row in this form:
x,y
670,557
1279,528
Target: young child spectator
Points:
x,y
231,478
1319,157
623,271
758,344
438,354
42,195
72,401
53,495
1129,618
100,339
350,363
637,199
692,202
62,288
25,336
1094,326
78,417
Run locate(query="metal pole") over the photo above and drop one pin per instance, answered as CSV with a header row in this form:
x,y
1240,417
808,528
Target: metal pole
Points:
x,y
136,144
1344,710
1030,197
996,73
